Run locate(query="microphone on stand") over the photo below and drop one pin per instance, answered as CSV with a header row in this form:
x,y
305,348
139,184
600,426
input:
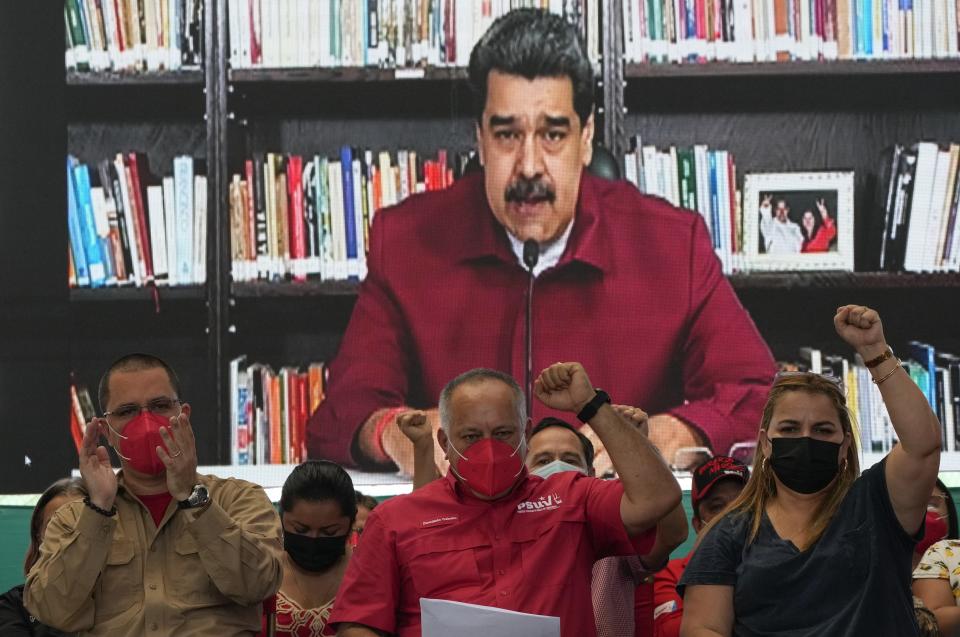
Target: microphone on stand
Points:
x,y
531,255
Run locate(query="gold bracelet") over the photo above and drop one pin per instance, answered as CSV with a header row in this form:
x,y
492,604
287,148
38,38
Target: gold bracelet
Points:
x,y
877,381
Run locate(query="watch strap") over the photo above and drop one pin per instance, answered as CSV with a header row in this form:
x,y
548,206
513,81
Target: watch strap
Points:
x,y
591,408
873,362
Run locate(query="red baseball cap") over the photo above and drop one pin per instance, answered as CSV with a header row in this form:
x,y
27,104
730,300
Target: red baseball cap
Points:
x,y
711,472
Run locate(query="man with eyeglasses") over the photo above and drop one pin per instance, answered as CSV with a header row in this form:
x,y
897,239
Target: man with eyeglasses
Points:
x,y
157,549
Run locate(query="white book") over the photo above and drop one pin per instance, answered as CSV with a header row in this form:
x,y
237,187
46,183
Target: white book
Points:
x,y
954,262
139,276
701,162
672,178
288,33
246,36
158,232
630,168
949,426
914,259
388,190
323,31
200,229
183,184
371,176
270,20
173,51
813,358
110,29
726,223
941,261
170,228
650,170
361,263
302,24
938,193
233,25
337,225
312,27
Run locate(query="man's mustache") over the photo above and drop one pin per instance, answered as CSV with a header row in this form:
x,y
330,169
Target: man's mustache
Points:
x,y
529,191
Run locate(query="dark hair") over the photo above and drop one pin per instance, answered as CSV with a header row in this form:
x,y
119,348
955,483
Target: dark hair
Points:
x,y
550,421
952,529
532,43
317,480
134,363
64,486
475,376
367,501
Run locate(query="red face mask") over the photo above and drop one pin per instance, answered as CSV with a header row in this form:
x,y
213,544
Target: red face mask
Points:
x,y
139,442
934,530
489,467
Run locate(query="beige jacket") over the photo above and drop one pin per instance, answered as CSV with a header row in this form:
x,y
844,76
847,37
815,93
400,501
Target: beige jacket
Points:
x,y
202,572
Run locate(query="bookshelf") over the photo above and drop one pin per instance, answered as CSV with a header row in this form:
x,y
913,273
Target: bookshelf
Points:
x,y
820,115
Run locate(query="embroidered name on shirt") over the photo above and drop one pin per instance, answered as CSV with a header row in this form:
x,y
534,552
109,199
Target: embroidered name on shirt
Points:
x,y
442,520
544,503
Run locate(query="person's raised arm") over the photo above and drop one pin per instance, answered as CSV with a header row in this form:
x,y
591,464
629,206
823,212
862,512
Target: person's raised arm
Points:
x,y
707,611
649,489
416,427
912,465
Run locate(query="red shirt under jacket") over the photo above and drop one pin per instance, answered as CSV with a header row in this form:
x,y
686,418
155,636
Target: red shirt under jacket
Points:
x,y
667,604
638,297
532,552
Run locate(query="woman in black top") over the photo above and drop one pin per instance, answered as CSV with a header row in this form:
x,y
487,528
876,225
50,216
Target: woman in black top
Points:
x,y
810,548
15,620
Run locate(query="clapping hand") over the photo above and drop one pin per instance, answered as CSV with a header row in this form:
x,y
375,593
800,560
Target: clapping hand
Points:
x,y
180,456
95,468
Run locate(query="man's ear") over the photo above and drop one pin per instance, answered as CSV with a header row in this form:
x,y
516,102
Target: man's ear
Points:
x,y
527,429
442,439
185,408
696,523
586,140
479,131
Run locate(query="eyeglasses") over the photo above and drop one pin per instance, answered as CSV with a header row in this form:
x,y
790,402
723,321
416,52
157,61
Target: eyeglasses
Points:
x,y
163,407
830,378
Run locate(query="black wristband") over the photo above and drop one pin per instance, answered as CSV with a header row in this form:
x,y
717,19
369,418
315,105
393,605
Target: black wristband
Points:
x,y
112,512
591,408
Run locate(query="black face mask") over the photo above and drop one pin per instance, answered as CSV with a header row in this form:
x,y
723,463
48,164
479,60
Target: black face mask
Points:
x,y
314,553
805,465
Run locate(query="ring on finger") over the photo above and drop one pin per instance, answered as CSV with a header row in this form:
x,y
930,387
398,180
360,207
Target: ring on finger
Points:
x,y
178,454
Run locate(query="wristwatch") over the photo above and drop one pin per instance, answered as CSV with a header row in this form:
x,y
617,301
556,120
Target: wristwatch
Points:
x,y
591,408
198,497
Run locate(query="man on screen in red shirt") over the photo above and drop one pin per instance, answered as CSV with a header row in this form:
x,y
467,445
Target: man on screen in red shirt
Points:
x,y
490,533
625,283
716,483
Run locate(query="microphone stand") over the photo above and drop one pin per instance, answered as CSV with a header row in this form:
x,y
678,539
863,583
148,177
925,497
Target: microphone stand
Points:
x,y
531,255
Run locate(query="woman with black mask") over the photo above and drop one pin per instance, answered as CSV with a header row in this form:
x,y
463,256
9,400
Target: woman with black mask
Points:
x,y
317,508
811,547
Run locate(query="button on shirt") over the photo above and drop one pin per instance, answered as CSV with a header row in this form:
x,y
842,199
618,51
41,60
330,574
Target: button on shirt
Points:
x,y
532,551
203,572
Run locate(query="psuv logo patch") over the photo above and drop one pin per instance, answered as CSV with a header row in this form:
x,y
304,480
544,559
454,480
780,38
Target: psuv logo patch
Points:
x,y
543,503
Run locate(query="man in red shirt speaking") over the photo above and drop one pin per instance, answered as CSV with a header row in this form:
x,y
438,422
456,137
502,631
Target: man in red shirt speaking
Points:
x,y
625,283
489,533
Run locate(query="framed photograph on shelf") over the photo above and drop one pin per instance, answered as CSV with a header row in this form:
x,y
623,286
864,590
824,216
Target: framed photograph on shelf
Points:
x,y
798,221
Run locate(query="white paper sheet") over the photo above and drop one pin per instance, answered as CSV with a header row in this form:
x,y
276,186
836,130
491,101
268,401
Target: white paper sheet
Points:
x,y
441,618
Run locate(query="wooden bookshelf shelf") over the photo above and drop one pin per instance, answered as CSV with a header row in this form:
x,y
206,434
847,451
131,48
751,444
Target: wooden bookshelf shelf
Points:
x,y
794,69
184,293
786,281
267,289
178,78
346,74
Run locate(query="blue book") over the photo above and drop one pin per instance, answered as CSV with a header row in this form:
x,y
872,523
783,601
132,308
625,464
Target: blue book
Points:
x,y
926,356
885,23
714,198
349,212
76,237
868,18
96,268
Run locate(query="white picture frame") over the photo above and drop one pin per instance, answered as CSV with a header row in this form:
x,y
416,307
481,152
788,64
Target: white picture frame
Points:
x,y
780,235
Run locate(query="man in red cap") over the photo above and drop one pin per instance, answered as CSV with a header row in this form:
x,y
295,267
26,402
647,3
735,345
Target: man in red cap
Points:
x,y
716,483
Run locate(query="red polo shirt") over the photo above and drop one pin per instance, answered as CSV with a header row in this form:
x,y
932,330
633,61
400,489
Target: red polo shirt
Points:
x,y
638,297
667,603
532,551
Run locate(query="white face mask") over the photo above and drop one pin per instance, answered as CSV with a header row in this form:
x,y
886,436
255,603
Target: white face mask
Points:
x,y
556,467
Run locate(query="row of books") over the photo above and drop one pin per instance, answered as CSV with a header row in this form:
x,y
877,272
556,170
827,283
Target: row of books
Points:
x,y
297,218
82,410
920,197
133,35
698,179
126,228
783,30
385,33
269,410
937,374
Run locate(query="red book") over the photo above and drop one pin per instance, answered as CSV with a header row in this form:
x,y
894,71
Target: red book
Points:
x,y
256,52
298,232
732,189
303,405
442,160
717,35
700,10
133,163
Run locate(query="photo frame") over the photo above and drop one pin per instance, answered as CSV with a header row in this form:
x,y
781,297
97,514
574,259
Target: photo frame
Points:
x,y
798,221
